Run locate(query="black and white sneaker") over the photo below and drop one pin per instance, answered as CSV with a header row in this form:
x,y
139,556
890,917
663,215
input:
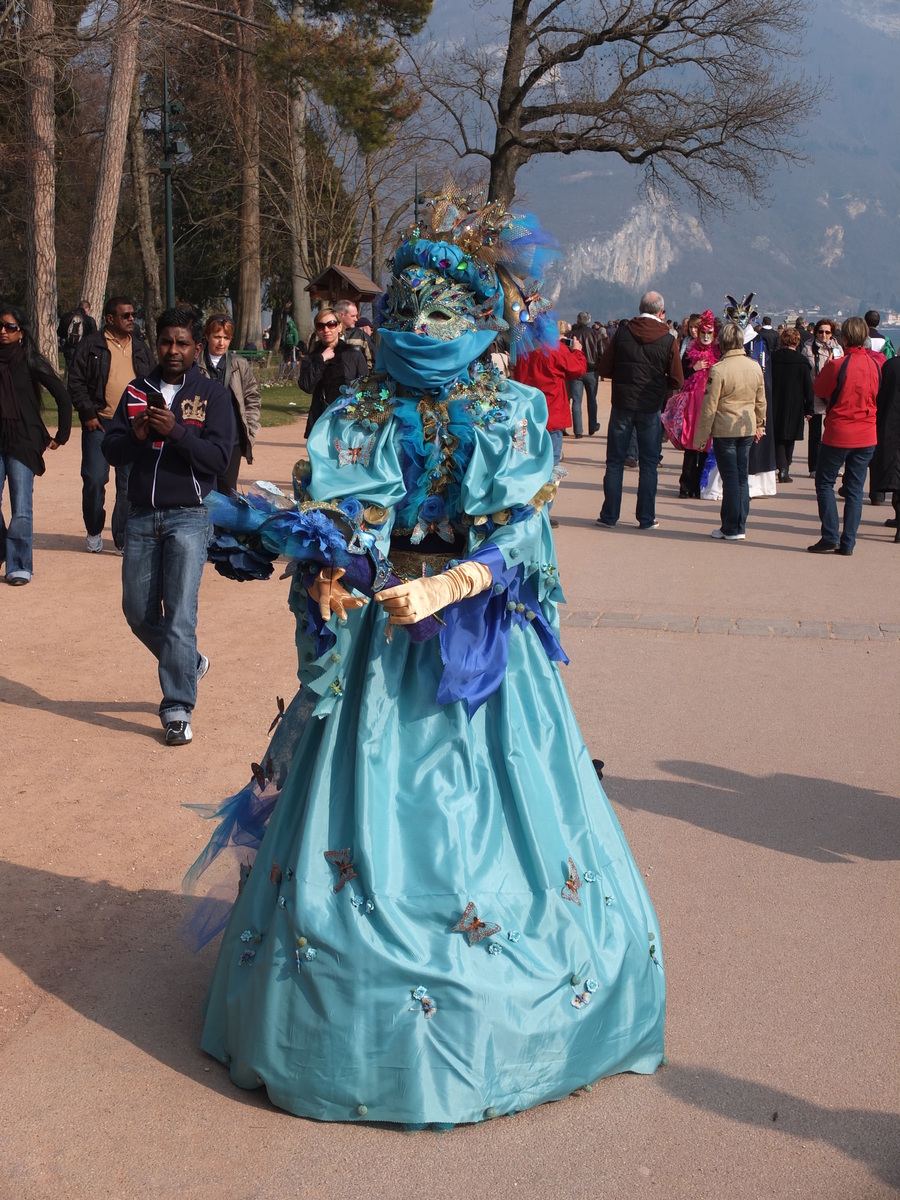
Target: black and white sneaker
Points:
x,y
178,733
202,666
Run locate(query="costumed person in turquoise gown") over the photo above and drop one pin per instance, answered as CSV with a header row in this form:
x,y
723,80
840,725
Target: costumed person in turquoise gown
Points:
x,y
439,919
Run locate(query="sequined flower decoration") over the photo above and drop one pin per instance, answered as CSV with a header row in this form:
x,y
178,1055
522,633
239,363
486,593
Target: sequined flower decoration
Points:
x,y
420,992
513,935
590,877
495,948
591,985
247,935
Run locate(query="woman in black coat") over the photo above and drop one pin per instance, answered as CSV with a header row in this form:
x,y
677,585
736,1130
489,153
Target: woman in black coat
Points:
x,y
329,365
792,400
886,463
23,435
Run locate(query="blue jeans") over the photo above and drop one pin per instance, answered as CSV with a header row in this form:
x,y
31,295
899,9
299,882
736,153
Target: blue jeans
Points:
x,y
16,539
733,461
648,427
587,383
165,550
94,478
828,464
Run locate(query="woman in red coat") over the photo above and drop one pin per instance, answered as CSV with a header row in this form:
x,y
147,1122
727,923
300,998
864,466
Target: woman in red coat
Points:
x,y
549,372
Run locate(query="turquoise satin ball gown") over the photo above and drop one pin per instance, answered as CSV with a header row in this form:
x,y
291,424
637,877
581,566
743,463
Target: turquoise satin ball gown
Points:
x,y
442,921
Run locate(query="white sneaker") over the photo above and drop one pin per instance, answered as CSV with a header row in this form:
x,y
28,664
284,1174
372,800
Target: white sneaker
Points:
x,y
202,666
94,543
728,537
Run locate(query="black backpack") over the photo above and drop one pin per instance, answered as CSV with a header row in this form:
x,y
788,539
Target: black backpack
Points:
x,y
75,329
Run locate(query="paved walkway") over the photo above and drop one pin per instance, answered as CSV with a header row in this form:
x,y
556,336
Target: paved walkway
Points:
x,y
744,700
854,631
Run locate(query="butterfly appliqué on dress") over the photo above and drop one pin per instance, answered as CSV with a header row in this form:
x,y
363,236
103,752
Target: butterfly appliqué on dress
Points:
x,y
350,456
572,885
442,527
341,860
473,927
261,774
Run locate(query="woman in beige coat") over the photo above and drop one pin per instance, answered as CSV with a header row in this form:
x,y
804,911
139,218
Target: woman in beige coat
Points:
x,y
217,362
734,413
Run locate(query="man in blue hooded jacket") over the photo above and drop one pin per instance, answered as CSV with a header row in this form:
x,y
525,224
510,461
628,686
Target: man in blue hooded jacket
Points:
x,y
176,429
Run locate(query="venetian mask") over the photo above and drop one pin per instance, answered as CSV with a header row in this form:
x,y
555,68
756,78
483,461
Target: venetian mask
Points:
x,y
705,336
420,300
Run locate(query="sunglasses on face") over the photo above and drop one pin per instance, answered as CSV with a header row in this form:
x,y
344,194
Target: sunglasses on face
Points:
x,y
10,328
327,324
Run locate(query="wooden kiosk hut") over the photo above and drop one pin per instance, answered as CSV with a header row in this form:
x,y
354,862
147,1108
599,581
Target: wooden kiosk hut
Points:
x,y
342,283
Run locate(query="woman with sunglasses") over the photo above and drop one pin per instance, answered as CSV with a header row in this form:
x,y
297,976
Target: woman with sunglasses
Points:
x,y
23,435
234,373
330,364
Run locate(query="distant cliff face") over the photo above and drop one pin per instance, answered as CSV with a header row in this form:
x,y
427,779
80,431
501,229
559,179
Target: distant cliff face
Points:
x,y
652,240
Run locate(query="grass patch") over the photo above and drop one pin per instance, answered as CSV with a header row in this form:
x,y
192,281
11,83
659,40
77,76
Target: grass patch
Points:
x,y
281,401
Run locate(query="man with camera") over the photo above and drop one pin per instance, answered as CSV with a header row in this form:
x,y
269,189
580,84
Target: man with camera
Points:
x,y
176,429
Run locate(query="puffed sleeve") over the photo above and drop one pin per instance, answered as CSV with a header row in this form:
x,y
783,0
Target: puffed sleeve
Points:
x,y
512,458
355,457
505,487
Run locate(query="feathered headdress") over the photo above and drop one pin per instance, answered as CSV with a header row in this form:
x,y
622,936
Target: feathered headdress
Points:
x,y
498,256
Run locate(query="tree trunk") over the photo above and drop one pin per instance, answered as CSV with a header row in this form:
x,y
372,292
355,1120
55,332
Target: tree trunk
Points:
x,y
248,322
299,224
112,157
141,189
40,241
506,158
377,256
299,231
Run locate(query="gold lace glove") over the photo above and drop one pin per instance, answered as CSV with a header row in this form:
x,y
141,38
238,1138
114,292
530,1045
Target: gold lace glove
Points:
x,y
330,596
421,598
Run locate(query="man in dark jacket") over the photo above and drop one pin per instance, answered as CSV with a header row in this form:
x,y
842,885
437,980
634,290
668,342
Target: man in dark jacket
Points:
x,y
176,429
643,363
590,344
103,366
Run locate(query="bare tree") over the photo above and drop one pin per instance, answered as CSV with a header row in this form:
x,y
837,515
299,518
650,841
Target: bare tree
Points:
x,y
143,214
40,252
696,92
125,33
248,315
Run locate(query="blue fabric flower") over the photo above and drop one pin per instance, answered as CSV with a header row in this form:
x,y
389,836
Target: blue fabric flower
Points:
x,y
419,993
351,506
432,509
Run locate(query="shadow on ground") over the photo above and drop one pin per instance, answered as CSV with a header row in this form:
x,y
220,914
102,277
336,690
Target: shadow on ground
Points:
x,y
114,957
869,1137
91,712
819,819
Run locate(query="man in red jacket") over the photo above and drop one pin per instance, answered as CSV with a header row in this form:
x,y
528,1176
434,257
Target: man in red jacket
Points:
x,y
849,385
549,371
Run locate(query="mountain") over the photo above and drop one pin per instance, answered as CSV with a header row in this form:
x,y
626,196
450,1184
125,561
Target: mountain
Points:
x,y
827,240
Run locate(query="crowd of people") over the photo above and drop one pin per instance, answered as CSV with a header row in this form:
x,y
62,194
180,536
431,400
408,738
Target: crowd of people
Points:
x,y
735,396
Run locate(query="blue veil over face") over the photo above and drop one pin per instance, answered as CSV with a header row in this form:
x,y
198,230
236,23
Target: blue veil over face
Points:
x,y
418,361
